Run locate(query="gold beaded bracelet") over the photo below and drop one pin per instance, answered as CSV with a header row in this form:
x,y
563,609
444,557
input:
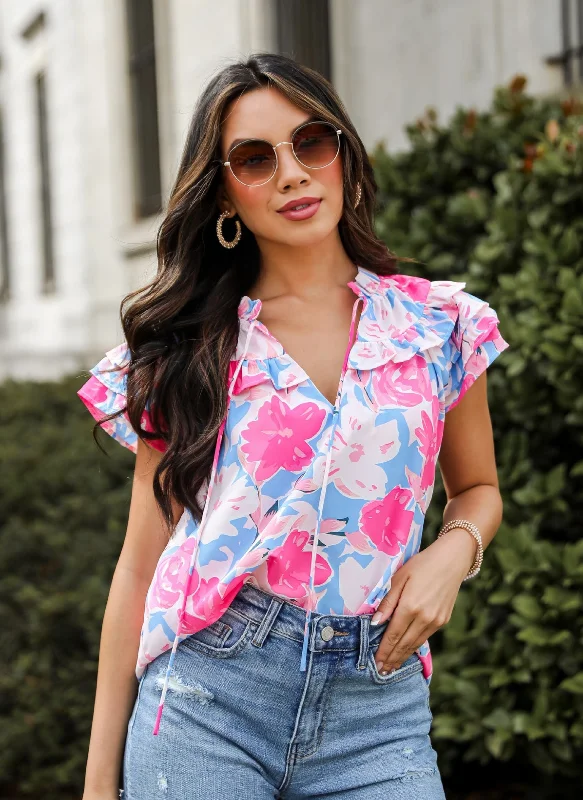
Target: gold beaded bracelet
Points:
x,y
471,528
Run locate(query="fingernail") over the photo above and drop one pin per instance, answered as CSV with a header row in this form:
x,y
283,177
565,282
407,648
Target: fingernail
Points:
x,y
376,618
380,665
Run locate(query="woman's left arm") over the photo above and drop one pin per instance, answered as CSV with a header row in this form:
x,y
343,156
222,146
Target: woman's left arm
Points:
x,y
424,590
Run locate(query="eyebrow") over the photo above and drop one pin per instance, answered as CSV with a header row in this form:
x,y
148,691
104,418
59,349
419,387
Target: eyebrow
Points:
x,y
313,118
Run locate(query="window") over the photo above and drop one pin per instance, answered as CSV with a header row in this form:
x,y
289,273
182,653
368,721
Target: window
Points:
x,y
48,276
571,56
144,107
303,33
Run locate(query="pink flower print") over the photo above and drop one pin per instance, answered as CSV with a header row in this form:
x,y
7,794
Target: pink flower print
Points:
x,y
414,287
357,456
288,566
487,325
467,381
100,399
269,526
386,522
366,283
306,485
475,365
95,390
367,608
278,438
251,559
421,496
360,542
227,593
332,530
250,375
429,435
408,335
207,604
171,576
332,525
402,384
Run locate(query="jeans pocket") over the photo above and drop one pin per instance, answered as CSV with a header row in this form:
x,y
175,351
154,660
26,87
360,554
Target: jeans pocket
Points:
x,y
223,638
409,667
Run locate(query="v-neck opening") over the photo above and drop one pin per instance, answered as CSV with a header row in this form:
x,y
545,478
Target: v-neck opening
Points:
x,y
352,340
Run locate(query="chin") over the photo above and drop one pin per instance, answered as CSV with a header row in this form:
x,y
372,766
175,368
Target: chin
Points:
x,y
309,238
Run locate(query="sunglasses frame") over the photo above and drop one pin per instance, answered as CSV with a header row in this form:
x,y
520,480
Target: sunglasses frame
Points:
x,y
274,146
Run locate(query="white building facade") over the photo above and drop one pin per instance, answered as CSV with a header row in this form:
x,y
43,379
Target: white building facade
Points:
x,y
96,98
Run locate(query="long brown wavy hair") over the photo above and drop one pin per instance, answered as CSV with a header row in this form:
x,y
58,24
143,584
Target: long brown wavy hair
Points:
x,y
182,327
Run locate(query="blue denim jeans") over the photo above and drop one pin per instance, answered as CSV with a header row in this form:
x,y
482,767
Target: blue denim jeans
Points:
x,y
241,719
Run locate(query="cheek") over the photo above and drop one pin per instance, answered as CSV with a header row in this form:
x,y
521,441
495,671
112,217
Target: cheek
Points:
x,y
244,196
337,173
332,179
251,203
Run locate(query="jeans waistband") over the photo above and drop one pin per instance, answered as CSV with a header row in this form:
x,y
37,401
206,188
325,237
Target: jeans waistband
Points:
x,y
328,632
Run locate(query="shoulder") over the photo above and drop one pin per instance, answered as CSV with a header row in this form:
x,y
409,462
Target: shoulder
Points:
x,y
426,292
108,378
412,287
105,396
447,296
435,293
445,311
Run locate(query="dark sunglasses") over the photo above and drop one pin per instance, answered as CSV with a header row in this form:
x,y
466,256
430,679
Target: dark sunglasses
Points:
x,y
253,162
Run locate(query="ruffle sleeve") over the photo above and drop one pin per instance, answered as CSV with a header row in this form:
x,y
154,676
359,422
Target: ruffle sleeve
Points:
x,y
475,342
106,392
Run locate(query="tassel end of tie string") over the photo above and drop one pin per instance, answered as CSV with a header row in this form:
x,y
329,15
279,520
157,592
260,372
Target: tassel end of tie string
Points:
x,y
158,718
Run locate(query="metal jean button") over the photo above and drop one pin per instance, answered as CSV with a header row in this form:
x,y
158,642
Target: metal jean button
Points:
x,y
327,633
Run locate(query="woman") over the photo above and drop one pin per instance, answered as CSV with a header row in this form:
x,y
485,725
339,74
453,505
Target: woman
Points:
x,y
290,389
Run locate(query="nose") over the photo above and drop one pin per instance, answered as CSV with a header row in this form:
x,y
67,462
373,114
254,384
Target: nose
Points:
x,y
289,170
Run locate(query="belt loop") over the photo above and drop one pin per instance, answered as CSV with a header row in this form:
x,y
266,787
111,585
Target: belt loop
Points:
x,y
363,652
268,619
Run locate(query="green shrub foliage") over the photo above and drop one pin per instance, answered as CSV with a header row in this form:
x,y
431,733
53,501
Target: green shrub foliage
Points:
x,y
494,199
63,514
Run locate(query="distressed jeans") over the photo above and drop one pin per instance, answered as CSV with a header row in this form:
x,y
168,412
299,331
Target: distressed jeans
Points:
x,y
241,719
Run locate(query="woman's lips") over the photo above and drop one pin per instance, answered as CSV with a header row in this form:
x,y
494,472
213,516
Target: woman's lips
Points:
x,y
303,213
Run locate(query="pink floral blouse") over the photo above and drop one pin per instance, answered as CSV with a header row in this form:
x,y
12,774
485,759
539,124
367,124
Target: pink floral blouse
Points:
x,y
315,502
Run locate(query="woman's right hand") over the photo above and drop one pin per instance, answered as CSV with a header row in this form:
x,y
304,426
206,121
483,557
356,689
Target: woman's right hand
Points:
x,y
114,794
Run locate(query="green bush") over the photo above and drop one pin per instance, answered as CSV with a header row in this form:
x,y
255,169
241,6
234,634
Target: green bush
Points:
x,y
496,200
63,514
509,679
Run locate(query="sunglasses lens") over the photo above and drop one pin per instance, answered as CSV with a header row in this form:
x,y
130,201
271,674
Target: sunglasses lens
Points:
x,y
253,162
316,144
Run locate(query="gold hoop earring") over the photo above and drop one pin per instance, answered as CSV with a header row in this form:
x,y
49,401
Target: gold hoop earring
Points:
x,y
358,194
220,236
